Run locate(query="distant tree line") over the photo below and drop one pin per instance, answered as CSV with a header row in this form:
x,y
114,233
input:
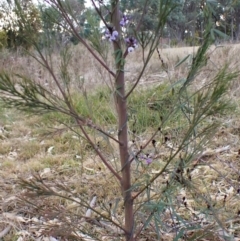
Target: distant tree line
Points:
x,y
184,25
186,22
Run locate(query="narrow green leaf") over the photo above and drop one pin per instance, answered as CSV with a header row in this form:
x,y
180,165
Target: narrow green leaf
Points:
x,y
177,83
179,235
182,61
212,34
157,227
220,33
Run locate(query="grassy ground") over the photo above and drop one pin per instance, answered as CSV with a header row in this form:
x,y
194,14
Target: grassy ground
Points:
x,y
44,146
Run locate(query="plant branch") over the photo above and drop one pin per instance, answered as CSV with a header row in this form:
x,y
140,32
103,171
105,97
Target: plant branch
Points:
x,y
68,20
152,48
97,151
46,190
99,13
144,12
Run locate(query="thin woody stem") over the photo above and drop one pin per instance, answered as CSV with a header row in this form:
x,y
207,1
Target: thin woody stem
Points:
x,y
66,17
159,173
98,152
121,106
99,13
144,12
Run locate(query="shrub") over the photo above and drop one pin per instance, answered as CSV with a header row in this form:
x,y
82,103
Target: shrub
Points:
x,y
3,40
137,181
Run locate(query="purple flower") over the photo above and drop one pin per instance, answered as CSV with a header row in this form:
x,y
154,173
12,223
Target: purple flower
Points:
x,y
111,34
131,43
146,158
124,21
114,35
130,49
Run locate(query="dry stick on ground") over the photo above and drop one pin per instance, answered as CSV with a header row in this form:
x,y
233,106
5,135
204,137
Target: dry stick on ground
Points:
x,y
5,231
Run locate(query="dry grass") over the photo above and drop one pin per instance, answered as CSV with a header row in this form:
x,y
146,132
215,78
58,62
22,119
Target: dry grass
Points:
x,y
61,158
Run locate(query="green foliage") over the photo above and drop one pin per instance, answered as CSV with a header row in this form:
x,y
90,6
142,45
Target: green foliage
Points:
x,y
93,32
3,40
173,42
97,106
176,22
50,17
192,40
55,31
27,94
149,20
149,107
22,23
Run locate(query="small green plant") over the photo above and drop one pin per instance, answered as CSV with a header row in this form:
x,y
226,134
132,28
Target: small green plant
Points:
x,y
174,42
3,40
136,173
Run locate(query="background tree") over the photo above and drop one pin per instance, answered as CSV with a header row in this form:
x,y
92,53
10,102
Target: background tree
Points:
x,y
54,26
17,33
3,40
228,21
176,23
